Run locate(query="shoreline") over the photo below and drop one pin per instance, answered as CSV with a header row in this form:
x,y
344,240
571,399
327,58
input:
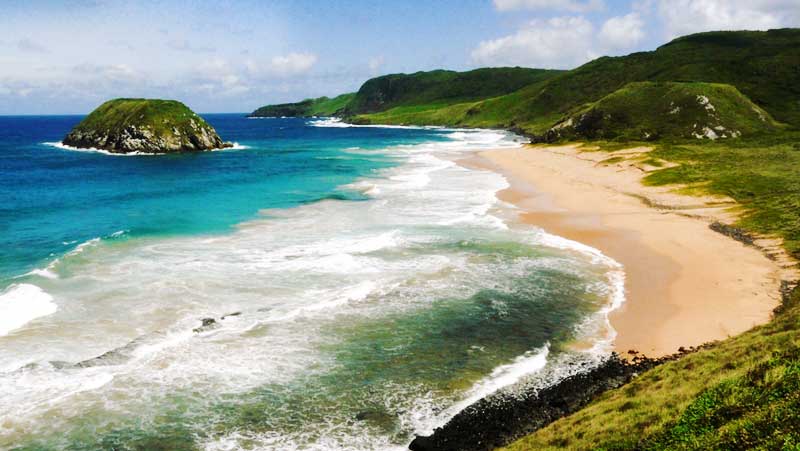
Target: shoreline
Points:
x,y
690,279
686,284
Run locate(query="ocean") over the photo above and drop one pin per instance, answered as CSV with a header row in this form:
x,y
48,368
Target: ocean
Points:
x,y
319,287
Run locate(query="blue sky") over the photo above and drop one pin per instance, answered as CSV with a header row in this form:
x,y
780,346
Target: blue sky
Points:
x,y
233,56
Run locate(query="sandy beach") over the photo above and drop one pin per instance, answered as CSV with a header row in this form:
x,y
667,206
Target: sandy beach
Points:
x,y
685,283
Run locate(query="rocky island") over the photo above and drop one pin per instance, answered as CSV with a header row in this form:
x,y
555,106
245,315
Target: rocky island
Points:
x,y
144,126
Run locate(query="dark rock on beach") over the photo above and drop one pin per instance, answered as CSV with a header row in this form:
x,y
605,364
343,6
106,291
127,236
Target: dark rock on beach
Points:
x,y
499,419
206,324
735,233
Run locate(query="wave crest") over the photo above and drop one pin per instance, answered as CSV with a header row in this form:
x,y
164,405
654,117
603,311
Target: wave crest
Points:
x,y
21,304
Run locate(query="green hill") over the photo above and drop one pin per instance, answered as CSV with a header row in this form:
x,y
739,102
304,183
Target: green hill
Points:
x,y
144,125
761,65
321,106
441,87
429,90
665,110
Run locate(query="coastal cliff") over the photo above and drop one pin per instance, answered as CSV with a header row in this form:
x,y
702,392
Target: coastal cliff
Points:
x,y
758,66
320,106
438,88
144,126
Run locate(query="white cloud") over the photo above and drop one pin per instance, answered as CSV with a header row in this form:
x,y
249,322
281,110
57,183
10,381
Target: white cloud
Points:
x,y
375,64
218,76
110,72
28,46
691,16
560,42
622,32
280,66
183,45
560,5
292,64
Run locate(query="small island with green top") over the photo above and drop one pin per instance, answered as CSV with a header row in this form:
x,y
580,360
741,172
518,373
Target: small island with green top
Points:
x,y
144,126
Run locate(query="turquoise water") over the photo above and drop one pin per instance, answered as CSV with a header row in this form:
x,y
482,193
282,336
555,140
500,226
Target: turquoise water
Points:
x,y
52,199
363,288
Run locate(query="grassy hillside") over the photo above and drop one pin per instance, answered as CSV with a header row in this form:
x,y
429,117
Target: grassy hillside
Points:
x,y
431,90
320,106
144,125
743,393
666,110
160,116
761,65
441,87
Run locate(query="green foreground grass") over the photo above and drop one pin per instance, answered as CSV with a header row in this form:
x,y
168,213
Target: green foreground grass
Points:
x,y
744,392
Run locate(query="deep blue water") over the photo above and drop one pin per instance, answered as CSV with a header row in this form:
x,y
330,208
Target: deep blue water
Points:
x,y
53,199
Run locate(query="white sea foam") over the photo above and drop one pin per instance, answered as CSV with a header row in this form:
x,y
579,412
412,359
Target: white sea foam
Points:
x,y
471,135
336,122
296,278
61,145
21,304
50,272
614,291
236,146
47,273
332,299
501,377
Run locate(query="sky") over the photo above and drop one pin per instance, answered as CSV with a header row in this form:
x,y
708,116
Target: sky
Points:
x,y
68,56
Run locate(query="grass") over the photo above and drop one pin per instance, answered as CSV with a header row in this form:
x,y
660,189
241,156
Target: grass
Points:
x,y
760,65
320,106
414,93
160,116
325,106
441,87
744,392
760,174
757,410
667,110
740,394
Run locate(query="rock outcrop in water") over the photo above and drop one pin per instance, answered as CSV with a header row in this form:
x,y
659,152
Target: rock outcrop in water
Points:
x,y
144,126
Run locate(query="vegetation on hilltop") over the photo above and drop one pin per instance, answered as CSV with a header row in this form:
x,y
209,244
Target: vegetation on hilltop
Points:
x,y
441,87
435,88
144,125
320,106
764,66
666,110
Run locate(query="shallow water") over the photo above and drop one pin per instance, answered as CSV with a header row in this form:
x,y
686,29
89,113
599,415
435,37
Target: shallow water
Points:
x,y
364,287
